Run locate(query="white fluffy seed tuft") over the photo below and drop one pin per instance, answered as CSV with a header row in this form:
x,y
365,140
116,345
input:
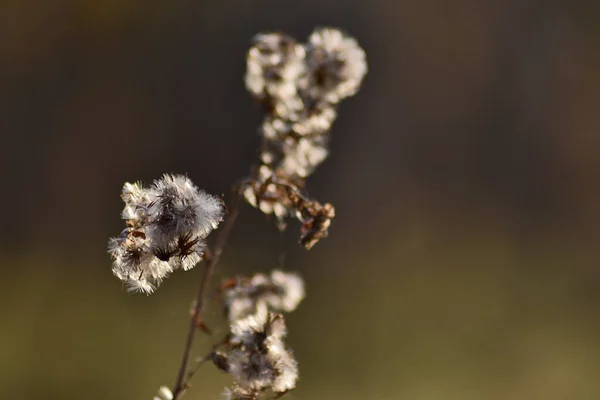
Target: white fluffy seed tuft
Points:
x,y
166,227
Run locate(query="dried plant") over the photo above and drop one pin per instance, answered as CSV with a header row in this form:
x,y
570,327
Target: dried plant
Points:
x,y
300,86
166,227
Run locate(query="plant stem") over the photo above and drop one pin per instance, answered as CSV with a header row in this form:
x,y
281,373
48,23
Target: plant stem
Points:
x,y
215,254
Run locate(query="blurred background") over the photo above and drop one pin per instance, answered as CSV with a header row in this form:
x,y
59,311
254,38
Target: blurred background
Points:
x,y
463,262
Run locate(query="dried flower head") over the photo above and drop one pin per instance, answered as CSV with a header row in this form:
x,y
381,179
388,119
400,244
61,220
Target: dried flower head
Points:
x,y
258,360
166,227
301,86
275,63
279,292
337,64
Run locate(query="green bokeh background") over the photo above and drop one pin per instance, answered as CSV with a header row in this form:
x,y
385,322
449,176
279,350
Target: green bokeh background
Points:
x,y
463,262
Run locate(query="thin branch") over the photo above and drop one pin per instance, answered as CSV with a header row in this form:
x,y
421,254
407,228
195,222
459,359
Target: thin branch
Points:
x,y
215,254
201,360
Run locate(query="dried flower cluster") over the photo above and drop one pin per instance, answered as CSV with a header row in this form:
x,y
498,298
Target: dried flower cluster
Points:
x,y
279,292
257,358
166,227
301,86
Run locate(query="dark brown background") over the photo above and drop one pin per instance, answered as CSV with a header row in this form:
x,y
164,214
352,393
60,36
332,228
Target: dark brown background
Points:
x,y
463,263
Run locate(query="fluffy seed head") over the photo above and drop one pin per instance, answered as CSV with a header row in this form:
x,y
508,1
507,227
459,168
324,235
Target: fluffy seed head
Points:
x,y
259,360
166,227
337,62
279,292
301,86
180,208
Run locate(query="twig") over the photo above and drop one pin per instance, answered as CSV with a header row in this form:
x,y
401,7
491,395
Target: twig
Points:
x,y
215,254
201,360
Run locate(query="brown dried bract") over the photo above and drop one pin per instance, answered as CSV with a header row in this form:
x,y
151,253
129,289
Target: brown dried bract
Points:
x,y
284,199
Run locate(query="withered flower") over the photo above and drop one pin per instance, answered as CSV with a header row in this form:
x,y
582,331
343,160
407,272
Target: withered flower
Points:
x,y
280,292
257,359
300,86
166,227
